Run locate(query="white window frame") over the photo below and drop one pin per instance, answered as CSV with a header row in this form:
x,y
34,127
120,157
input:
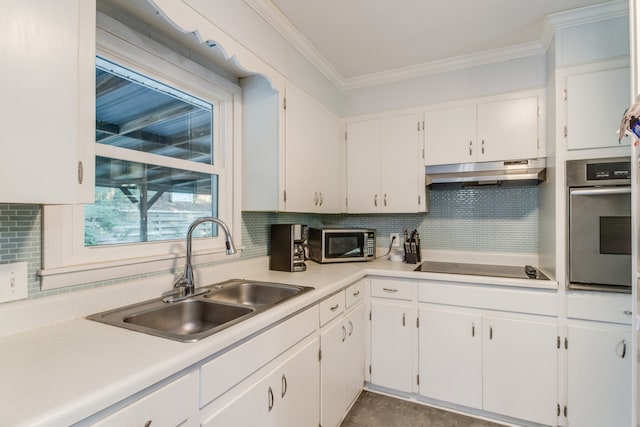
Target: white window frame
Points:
x,y
66,259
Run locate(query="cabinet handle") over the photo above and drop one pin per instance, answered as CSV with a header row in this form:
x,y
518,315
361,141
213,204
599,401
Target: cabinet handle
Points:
x,y
315,198
385,199
471,148
356,293
624,348
627,312
148,423
389,290
490,332
270,396
473,329
403,319
344,333
284,385
350,327
482,147
375,200
334,308
321,198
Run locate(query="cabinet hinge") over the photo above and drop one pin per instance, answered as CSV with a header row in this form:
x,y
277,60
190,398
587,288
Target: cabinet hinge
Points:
x,y
538,143
346,202
284,103
418,379
423,125
564,94
369,314
369,369
80,173
285,195
345,135
558,341
418,126
419,199
565,131
539,111
423,153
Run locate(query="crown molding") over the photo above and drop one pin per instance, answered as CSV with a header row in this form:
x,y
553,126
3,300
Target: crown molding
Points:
x,y
581,16
553,22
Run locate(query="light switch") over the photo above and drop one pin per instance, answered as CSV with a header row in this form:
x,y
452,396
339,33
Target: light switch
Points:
x,y
13,281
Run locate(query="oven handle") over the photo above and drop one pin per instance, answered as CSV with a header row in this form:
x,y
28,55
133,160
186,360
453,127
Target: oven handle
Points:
x,y
602,191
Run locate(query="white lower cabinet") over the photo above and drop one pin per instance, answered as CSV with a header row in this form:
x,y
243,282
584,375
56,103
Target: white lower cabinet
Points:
x,y
599,374
519,368
341,365
392,330
450,362
170,405
503,365
288,395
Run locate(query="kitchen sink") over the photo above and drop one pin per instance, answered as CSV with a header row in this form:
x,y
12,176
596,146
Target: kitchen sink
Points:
x,y
254,294
193,318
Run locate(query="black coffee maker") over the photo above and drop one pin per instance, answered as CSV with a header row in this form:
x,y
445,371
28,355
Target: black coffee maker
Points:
x,y
288,247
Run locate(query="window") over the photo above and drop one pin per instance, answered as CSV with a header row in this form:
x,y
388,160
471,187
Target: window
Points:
x,y
151,188
165,135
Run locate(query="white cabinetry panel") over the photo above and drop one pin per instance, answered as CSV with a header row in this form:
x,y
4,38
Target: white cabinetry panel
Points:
x,y
48,107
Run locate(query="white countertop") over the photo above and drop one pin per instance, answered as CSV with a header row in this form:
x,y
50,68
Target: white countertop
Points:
x,y
63,368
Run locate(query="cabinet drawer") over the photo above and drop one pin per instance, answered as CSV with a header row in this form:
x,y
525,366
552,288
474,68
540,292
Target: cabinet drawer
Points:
x,y
227,370
331,307
395,289
354,293
604,307
170,405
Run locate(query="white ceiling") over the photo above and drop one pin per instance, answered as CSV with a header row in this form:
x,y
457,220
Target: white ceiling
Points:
x,y
355,41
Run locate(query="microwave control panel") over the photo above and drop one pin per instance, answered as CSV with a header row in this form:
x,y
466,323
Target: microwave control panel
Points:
x,y
371,244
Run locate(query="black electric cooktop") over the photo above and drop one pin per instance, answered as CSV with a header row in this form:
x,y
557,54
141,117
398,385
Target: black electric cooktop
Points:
x,y
510,271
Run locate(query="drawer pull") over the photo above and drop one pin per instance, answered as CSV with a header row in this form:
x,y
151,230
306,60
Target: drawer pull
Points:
x,y
356,293
284,385
270,397
334,308
627,312
389,290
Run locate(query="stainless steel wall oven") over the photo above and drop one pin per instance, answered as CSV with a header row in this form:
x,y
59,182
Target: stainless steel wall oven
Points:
x,y
599,221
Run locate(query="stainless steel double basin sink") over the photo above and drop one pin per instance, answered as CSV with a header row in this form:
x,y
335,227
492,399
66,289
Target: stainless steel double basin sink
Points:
x,y
191,319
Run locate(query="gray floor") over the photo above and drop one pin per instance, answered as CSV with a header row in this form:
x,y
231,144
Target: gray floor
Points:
x,y
375,410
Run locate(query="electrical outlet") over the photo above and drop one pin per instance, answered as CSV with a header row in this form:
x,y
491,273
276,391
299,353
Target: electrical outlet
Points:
x,y
396,243
13,281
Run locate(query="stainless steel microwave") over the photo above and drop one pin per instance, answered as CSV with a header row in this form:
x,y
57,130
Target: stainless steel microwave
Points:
x,y
328,245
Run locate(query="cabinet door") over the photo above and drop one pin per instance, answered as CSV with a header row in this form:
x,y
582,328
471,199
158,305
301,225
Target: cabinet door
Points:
x,y
287,396
401,168
450,135
520,369
314,163
298,385
391,345
363,166
48,101
508,130
599,376
450,356
596,101
333,372
354,358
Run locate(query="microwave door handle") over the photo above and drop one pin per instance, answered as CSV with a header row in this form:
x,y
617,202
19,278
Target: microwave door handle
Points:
x,y
600,191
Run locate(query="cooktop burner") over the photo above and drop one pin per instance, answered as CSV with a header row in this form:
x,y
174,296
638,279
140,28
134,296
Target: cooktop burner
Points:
x,y
515,272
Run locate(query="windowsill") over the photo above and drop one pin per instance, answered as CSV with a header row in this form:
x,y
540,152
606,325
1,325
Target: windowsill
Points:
x,y
56,278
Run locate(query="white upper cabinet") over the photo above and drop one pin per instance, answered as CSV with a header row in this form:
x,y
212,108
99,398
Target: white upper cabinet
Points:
x,y
48,101
385,171
496,130
293,160
596,97
314,156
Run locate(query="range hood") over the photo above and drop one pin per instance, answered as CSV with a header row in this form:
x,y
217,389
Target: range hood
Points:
x,y
507,173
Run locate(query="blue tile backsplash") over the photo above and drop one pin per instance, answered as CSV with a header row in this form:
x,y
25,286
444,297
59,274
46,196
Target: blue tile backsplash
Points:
x,y
488,219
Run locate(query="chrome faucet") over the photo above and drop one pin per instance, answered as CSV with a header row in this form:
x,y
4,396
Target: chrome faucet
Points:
x,y
186,282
